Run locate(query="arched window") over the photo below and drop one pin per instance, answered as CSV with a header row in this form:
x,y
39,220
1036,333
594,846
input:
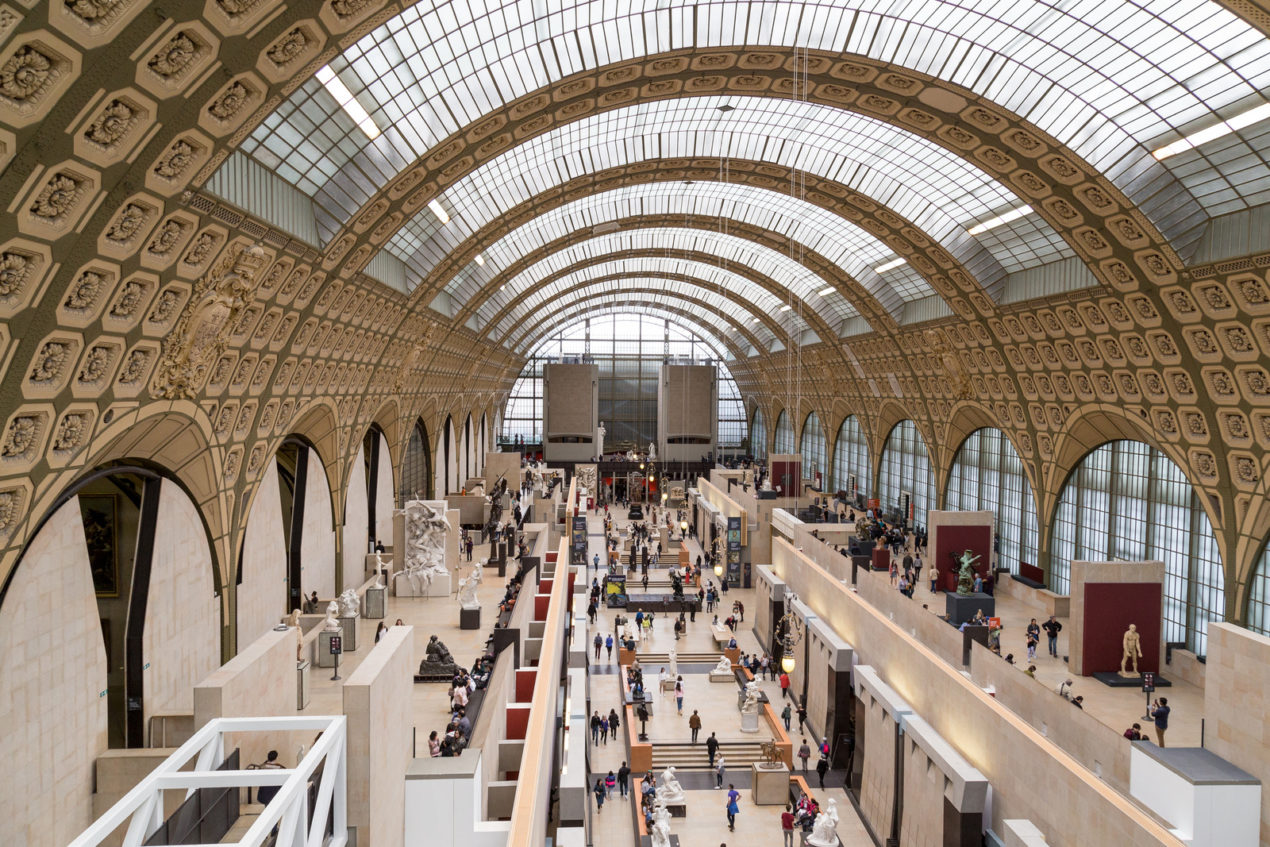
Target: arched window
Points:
x,y
905,470
758,437
784,435
812,446
851,458
988,475
1127,500
416,466
1259,595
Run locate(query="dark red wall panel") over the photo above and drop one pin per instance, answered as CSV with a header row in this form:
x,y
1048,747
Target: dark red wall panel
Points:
x,y
1109,609
958,539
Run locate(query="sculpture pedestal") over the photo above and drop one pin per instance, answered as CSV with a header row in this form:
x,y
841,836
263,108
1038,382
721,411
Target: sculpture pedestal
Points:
x,y
677,808
749,722
812,841
301,685
324,657
375,606
647,840
439,587
769,785
349,626
721,676
470,618
962,607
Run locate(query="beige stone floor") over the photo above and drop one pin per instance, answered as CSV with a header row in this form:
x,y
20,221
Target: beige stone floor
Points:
x,y
429,616
706,823
1118,708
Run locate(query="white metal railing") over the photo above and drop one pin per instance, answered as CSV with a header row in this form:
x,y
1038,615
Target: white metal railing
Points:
x,y
142,808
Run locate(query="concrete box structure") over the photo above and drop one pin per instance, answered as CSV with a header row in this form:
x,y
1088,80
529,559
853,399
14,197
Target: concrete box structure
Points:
x,y
571,406
687,411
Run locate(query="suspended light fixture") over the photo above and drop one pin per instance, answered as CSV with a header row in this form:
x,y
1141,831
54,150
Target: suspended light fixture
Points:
x,y
718,569
790,629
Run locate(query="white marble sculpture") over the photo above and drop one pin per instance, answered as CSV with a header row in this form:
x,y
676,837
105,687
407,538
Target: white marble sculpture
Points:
x,y
669,791
332,622
467,592
293,619
600,432
586,476
426,531
350,604
652,452
724,666
824,832
478,570
674,664
752,695
660,832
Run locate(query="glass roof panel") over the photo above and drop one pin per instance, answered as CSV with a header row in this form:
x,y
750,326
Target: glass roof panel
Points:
x,y
806,225
802,284
940,192
1109,79
725,315
526,337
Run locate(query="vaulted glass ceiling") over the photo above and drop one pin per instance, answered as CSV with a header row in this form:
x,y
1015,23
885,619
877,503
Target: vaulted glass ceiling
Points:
x,y
807,226
785,273
1113,80
939,192
527,338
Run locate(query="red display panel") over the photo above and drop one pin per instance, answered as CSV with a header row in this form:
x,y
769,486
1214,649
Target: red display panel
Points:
x,y
958,539
1109,609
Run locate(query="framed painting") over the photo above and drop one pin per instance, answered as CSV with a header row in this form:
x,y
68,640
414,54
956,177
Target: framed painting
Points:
x,y
101,521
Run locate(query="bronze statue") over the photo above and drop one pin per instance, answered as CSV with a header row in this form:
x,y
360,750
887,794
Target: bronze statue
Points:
x,y
966,573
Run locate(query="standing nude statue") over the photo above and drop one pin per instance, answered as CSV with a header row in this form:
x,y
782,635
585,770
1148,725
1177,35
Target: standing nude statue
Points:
x,y
1132,650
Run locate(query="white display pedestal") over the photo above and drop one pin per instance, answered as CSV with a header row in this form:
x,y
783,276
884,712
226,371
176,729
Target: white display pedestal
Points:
x,y
349,626
324,657
723,676
375,606
439,587
749,722
301,685
769,785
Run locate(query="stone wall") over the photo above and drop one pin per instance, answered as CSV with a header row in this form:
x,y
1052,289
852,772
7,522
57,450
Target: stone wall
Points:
x,y
181,642
262,596
877,784
922,820
317,544
356,524
1236,702
377,699
52,703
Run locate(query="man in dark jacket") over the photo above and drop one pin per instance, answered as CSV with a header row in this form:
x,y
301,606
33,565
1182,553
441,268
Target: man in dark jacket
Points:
x,y
1052,628
712,747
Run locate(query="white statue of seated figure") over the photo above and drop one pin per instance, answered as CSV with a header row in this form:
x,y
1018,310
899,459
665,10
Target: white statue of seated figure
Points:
x,y
668,788
724,666
824,832
660,832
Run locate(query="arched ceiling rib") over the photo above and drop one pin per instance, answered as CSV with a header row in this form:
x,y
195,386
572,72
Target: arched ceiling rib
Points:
x,y
1112,81
753,308
943,194
851,248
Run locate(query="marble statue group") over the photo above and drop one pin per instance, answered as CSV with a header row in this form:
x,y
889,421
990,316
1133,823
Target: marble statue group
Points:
x,y
426,531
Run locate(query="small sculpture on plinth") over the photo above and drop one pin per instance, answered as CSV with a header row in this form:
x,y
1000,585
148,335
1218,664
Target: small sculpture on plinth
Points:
x,y
642,713
350,604
966,573
332,622
438,661
669,791
824,832
752,695
771,755
676,585
674,664
660,831
1132,643
724,666
467,592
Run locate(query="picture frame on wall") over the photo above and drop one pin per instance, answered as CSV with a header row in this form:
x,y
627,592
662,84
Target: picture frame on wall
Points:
x,y
101,530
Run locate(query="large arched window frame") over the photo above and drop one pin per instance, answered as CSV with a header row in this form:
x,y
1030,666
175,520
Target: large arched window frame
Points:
x,y
784,443
905,467
813,449
851,458
988,475
1258,617
758,436
1127,500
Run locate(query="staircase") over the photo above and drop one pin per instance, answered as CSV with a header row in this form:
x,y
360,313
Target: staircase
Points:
x,y
666,559
739,755
649,660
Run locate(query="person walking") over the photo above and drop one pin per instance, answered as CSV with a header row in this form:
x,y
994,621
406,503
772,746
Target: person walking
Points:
x,y
595,728
1033,639
679,695
804,753
720,770
934,579
712,747
733,808
598,790
694,723
599,642
784,685
604,730
613,723
624,779
787,825
822,768
1160,714
786,714
608,646
802,715
1052,628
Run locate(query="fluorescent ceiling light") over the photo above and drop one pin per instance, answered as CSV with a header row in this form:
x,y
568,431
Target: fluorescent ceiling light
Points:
x,y
822,292
889,266
786,307
443,216
337,89
480,260
1001,220
1218,130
